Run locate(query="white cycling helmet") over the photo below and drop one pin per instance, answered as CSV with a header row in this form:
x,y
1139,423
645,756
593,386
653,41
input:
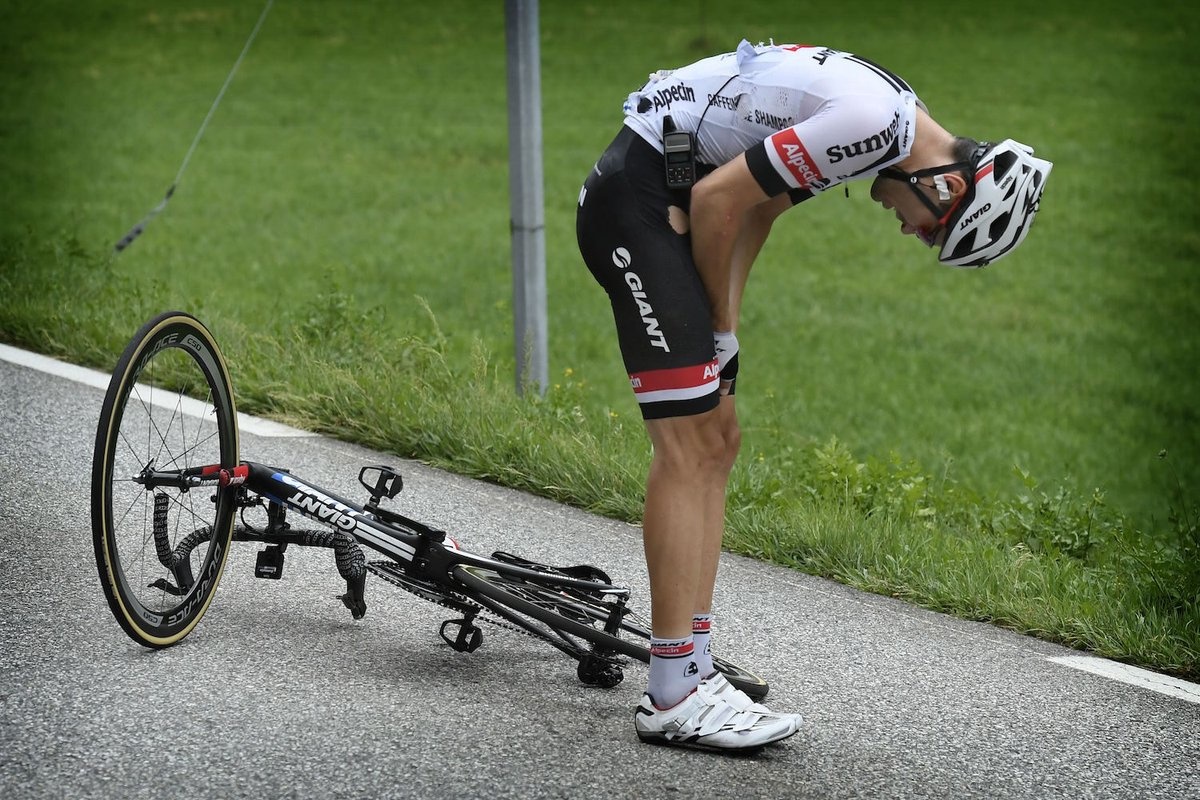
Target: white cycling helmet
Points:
x,y
999,205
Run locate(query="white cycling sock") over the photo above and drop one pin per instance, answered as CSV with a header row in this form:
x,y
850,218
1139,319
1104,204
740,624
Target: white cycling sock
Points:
x,y
673,671
702,638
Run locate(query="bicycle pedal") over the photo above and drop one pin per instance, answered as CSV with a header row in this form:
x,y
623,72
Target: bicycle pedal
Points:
x,y
269,563
381,481
599,671
466,640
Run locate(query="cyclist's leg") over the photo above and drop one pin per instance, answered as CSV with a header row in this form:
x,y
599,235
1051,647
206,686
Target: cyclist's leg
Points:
x,y
684,516
714,506
671,281
664,325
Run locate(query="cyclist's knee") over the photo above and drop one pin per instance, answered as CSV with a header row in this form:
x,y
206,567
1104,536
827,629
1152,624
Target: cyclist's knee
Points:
x,y
702,445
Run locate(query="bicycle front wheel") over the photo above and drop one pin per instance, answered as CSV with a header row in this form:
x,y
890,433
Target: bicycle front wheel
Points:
x,y
565,612
161,523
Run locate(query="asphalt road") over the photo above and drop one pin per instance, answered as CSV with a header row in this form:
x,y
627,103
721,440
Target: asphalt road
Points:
x,y
279,693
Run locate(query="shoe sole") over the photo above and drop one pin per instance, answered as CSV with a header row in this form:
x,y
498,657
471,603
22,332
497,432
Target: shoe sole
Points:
x,y
662,741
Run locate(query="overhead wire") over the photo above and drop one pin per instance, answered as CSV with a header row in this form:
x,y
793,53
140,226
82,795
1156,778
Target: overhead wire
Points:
x,y
137,229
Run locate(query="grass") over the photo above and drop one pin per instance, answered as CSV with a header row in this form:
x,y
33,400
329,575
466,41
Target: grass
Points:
x,y
984,443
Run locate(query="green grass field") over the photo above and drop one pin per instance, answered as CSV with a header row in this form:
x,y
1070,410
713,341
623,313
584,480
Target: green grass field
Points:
x,y
983,442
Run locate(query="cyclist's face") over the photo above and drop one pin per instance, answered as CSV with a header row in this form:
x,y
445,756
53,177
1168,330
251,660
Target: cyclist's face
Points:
x,y
915,217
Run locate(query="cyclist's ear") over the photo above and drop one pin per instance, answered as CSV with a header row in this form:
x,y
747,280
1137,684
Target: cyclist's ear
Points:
x,y
956,184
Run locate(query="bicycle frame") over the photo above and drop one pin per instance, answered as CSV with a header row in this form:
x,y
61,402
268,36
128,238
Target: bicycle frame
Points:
x,y
424,552
405,540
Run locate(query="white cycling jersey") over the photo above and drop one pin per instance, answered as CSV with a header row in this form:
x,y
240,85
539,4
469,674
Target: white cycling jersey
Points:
x,y
806,117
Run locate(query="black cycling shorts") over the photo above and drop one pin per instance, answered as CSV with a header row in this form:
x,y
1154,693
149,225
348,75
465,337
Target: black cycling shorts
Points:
x,y
663,317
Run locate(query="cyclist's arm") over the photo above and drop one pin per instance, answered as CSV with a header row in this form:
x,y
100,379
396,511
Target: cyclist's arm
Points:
x,y
755,227
731,216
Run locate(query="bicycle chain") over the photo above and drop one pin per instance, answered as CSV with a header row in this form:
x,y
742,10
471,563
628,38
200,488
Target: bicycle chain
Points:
x,y
435,594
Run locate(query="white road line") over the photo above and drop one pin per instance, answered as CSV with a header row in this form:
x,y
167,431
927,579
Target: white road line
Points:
x,y
99,380
1135,676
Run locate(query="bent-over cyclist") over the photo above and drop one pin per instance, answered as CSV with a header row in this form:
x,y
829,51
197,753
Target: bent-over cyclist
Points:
x,y
670,221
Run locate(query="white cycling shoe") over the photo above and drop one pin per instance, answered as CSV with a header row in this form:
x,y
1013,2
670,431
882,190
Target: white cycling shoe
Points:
x,y
718,685
708,721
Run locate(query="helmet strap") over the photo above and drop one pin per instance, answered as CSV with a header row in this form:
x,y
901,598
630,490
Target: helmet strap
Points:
x,y
939,181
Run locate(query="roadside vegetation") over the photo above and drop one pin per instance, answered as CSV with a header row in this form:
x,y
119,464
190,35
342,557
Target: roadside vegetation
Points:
x,y
1018,445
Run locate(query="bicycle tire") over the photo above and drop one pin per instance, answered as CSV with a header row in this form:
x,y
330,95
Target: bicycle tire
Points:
x,y
169,407
582,613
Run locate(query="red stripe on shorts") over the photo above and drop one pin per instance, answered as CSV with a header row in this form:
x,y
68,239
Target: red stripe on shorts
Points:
x,y
657,380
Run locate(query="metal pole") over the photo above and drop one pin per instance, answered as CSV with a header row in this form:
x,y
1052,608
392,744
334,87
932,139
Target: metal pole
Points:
x,y
526,193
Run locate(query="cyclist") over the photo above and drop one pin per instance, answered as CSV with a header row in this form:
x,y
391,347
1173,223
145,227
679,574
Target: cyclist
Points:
x,y
758,130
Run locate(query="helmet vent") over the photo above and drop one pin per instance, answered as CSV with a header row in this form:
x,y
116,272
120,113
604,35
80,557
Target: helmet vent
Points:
x,y
965,245
1002,164
998,226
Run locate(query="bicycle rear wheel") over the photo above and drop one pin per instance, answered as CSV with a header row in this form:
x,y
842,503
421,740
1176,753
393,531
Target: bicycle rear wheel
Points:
x,y
567,612
161,523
